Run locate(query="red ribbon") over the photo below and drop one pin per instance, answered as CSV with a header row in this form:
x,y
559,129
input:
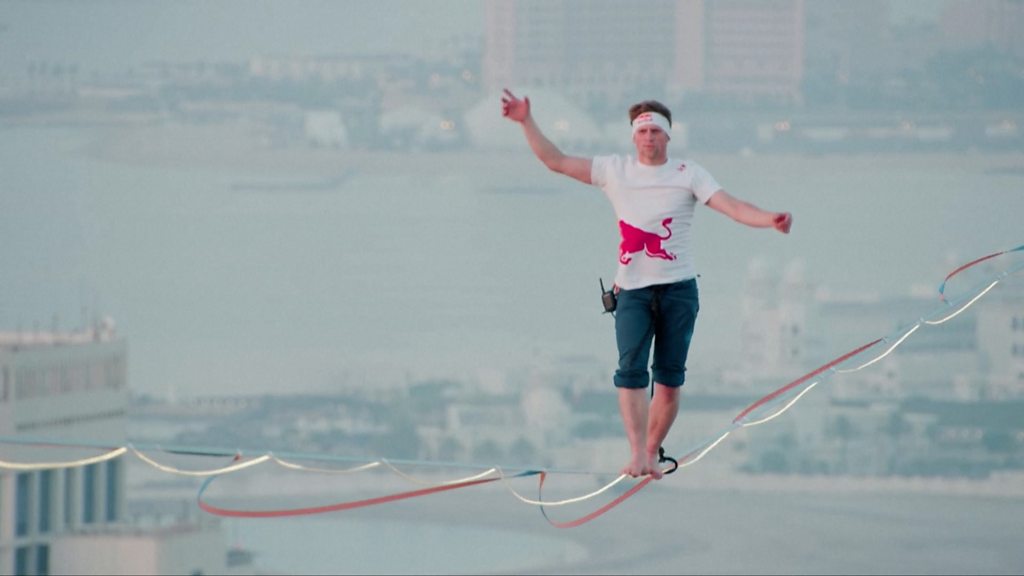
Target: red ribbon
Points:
x,y
600,511
278,513
803,379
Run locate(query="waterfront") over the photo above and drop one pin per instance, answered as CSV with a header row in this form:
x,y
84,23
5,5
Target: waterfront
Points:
x,y
310,233
486,268
481,266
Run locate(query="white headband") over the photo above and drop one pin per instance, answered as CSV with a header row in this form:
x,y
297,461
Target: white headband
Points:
x,y
651,118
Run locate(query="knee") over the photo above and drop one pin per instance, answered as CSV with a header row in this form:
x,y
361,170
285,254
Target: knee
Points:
x,y
669,393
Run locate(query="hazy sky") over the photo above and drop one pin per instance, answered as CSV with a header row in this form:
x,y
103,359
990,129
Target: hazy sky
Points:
x,y
112,35
915,10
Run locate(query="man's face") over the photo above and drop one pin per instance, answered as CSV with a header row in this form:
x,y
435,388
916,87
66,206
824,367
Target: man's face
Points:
x,y
651,144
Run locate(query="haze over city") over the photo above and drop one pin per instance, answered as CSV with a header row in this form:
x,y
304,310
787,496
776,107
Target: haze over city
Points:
x,y
305,227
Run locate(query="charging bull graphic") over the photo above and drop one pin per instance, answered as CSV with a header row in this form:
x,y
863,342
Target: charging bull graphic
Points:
x,y
634,240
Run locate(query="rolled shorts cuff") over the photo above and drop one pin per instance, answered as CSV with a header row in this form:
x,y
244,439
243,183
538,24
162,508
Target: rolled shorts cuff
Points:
x,y
670,378
631,380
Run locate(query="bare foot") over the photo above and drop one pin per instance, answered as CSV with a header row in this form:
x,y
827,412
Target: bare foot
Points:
x,y
636,467
642,466
653,467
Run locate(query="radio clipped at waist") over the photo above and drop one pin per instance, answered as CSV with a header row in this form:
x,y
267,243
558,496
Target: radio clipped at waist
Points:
x,y
608,298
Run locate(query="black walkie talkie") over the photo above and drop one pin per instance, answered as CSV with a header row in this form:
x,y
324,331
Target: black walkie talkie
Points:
x,y
607,298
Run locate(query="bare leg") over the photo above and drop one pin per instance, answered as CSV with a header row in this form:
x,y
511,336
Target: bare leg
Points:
x,y
634,407
662,414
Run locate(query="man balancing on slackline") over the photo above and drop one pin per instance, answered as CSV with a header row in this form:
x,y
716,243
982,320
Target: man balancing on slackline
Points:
x,y
654,198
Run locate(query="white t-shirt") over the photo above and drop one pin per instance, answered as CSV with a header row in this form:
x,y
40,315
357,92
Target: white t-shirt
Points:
x,y
654,206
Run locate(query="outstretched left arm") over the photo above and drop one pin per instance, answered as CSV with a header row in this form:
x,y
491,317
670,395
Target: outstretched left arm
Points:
x,y
746,213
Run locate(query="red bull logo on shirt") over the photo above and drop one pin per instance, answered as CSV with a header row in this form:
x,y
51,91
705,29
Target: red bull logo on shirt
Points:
x,y
635,240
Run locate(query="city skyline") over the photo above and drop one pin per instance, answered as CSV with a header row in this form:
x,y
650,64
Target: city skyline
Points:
x,y
134,34
302,229
758,57
321,127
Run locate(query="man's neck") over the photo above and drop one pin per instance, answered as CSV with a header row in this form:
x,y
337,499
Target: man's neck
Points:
x,y
652,161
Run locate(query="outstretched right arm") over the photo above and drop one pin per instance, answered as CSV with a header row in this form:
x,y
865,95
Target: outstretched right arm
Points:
x,y
518,110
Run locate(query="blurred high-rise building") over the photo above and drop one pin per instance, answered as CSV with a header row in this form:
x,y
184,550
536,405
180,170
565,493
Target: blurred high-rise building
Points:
x,y
604,49
754,49
582,49
993,24
847,45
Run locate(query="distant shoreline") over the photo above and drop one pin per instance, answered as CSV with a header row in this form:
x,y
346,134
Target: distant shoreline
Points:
x,y
246,147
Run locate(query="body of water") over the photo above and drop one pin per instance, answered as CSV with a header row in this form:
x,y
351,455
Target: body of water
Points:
x,y
386,275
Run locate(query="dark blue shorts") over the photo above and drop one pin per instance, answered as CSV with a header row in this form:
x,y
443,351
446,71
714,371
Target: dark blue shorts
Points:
x,y
664,315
